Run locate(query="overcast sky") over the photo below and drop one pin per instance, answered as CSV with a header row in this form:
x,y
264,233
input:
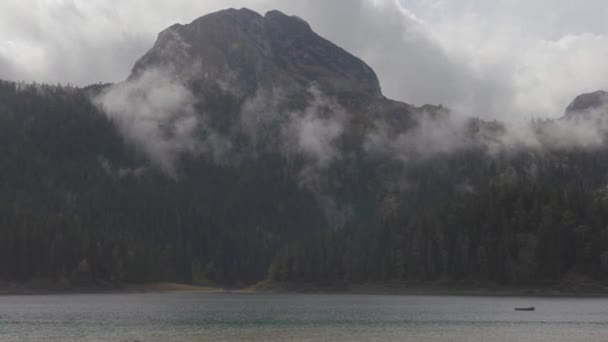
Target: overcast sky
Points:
x,y
494,59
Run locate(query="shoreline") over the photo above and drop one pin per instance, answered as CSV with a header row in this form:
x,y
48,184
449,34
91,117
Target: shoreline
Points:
x,y
160,287
267,287
433,289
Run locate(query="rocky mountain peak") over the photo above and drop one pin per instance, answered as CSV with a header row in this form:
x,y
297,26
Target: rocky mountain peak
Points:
x,y
245,51
586,103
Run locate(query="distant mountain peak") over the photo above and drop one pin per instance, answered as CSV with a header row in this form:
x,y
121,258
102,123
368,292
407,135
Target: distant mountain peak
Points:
x,y
586,103
291,24
247,51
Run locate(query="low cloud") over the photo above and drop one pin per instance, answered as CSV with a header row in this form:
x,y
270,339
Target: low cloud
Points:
x,y
309,138
432,135
437,134
261,118
583,130
155,112
315,131
312,133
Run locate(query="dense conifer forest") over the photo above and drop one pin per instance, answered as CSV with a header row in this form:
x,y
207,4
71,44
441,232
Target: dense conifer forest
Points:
x,y
295,169
80,205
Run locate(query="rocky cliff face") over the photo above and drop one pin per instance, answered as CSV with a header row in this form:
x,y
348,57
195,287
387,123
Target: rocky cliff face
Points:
x,y
587,103
243,51
250,75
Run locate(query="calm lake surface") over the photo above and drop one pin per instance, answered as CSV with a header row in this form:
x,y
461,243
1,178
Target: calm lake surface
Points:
x,y
261,317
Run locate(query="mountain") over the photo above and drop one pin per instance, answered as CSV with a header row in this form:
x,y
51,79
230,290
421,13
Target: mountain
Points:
x,y
245,147
586,103
235,55
247,51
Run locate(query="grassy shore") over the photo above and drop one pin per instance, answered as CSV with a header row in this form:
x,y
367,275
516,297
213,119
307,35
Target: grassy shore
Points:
x,y
582,289
579,288
169,287
58,287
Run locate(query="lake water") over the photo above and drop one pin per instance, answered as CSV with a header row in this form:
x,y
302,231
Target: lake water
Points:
x,y
261,317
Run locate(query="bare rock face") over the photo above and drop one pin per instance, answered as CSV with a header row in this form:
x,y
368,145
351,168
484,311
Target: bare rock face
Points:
x,y
243,51
232,58
587,103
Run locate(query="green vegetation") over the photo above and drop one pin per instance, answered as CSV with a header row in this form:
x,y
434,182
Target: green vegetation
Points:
x,y
80,205
528,219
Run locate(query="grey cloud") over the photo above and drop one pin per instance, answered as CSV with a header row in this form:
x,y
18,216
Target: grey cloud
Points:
x,y
156,113
430,137
312,133
435,135
586,130
315,131
6,69
261,118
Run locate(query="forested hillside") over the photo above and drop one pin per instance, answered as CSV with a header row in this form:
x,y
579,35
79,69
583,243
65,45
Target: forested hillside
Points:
x,y
78,204
513,228
244,147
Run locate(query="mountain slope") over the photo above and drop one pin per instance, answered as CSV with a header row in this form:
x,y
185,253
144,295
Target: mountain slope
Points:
x,y
588,102
246,51
245,146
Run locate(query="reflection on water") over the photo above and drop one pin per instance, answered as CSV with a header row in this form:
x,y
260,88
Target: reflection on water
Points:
x,y
260,317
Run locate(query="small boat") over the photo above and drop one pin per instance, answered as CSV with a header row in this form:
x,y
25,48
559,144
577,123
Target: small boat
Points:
x,y
525,309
